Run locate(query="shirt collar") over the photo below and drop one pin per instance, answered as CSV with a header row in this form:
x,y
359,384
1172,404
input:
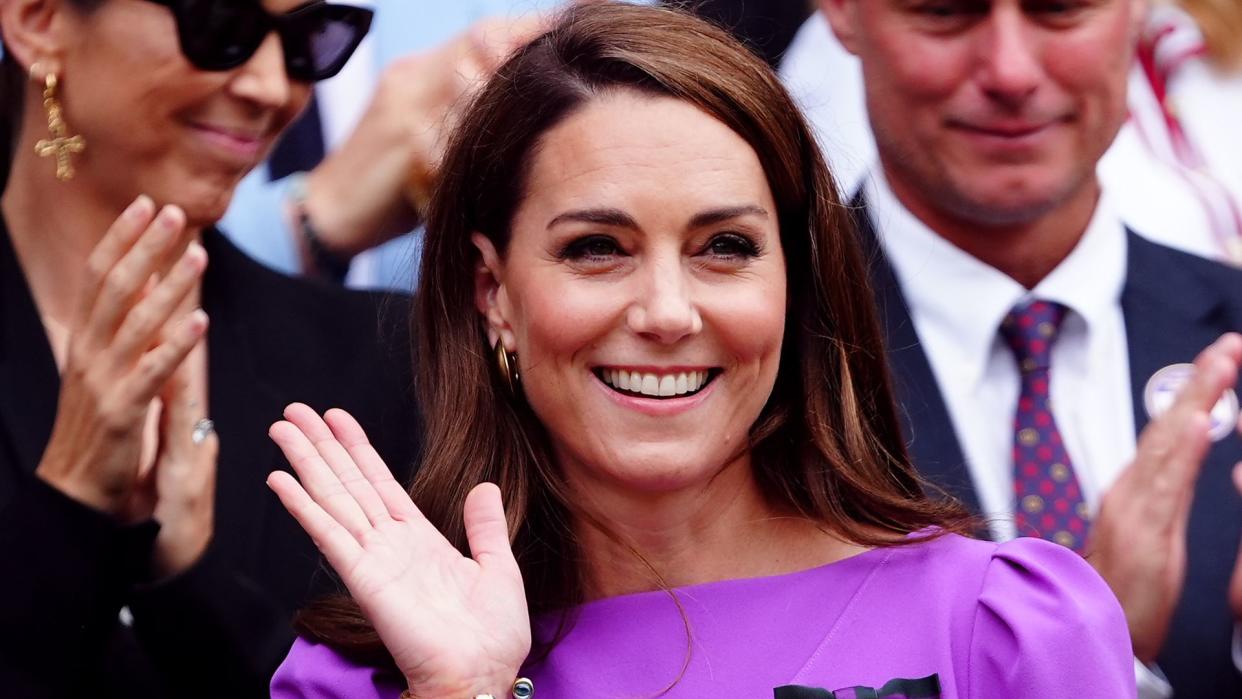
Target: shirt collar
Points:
x,y
966,299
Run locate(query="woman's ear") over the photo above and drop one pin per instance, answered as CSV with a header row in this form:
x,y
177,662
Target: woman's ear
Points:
x,y
489,293
32,33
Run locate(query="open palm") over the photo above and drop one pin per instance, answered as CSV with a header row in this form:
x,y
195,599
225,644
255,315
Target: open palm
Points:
x,y
455,625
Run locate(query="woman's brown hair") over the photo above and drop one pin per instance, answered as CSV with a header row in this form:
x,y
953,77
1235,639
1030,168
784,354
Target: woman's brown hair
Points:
x,y
827,445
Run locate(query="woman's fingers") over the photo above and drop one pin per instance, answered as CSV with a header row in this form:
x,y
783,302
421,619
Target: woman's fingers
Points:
x,y
340,461
142,324
486,528
127,278
318,478
351,435
332,539
156,365
116,242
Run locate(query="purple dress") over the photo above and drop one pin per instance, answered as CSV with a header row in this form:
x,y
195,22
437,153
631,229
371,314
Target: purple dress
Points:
x,y
953,617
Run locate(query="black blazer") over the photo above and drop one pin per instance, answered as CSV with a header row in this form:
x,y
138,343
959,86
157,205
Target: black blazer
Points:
x,y
221,628
1174,305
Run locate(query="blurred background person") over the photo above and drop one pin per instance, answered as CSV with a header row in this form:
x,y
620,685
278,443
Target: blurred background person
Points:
x,y
643,315
341,192
1173,170
144,557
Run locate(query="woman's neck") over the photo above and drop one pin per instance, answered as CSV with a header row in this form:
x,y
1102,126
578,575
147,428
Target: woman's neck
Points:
x,y
54,226
724,529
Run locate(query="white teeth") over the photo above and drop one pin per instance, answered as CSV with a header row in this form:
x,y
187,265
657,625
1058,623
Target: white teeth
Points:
x,y
668,386
650,385
658,385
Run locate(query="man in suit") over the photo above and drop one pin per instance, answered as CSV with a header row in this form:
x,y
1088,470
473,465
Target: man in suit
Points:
x,y
1026,323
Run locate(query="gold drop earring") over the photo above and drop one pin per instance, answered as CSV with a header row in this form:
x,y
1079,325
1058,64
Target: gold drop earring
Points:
x,y
61,145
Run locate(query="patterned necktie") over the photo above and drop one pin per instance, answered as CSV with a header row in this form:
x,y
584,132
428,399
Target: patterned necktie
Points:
x,y
1048,500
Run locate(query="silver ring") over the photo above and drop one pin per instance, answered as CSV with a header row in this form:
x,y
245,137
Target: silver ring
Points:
x,y
202,429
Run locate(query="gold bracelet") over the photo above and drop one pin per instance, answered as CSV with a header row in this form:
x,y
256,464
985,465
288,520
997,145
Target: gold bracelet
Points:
x,y
522,689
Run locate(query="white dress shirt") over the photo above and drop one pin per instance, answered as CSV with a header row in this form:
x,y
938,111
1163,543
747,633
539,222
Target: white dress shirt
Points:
x,y
957,303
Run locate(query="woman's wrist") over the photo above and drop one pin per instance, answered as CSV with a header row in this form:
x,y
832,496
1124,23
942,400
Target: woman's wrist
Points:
x,y
520,688
86,491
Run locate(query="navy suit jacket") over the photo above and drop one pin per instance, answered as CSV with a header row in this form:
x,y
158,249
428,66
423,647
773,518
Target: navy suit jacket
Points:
x,y
1174,305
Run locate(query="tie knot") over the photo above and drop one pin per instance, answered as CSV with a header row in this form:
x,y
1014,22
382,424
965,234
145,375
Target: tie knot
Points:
x,y
1030,330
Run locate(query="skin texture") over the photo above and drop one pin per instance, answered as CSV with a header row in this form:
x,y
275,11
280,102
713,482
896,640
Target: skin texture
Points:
x,y
136,99
990,117
119,296
644,286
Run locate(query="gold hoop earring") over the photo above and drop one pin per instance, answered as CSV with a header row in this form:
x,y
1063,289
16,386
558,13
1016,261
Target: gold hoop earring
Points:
x,y
506,361
61,145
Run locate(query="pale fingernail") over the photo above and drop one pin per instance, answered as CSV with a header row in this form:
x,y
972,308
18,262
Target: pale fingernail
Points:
x,y
195,256
138,208
196,322
170,218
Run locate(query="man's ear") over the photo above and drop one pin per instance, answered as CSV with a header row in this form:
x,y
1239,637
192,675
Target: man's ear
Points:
x,y
842,16
33,32
490,296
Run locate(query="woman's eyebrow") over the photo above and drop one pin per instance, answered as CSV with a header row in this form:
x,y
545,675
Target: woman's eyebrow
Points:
x,y
714,216
603,217
620,219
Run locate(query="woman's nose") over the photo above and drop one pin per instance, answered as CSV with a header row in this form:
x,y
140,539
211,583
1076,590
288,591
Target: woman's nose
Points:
x,y
263,79
664,309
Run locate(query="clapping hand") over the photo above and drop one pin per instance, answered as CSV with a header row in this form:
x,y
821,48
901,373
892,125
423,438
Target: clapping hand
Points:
x,y
456,625
357,197
1138,541
128,335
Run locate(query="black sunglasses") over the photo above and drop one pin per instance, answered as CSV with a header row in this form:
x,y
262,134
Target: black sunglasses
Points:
x,y
317,38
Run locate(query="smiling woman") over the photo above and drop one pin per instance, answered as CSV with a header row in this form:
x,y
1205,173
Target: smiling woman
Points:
x,y
661,454
144,560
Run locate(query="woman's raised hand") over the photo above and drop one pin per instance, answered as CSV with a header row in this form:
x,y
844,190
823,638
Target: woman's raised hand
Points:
x,y
126,339
456,625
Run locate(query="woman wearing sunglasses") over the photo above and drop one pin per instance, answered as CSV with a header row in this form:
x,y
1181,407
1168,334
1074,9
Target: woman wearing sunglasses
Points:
x,y
142,555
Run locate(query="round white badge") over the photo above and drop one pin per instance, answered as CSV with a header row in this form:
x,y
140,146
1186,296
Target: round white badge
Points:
x,y
1164,385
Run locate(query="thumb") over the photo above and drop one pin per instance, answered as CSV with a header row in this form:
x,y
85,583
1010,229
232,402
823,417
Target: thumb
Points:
x,y
486,528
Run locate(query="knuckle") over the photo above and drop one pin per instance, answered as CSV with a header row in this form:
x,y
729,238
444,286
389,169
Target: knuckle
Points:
x,y
149,368
116,419
143,319
78,367
117,283
95,268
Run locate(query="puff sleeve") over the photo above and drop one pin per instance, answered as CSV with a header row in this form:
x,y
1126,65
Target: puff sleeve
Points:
x,y
1047,625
